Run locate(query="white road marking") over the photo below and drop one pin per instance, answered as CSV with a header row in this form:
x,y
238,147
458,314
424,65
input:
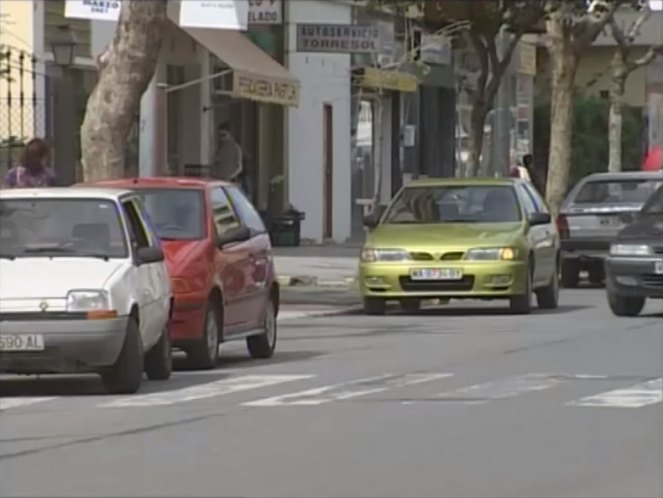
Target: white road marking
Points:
x,y
347,390
636,396
500,389
203,391
16,402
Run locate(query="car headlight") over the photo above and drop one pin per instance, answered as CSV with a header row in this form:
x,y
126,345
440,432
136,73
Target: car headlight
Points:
x,y
87,300
630,250
371,255
491,254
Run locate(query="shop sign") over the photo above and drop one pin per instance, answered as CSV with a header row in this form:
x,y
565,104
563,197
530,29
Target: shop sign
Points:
x,y
338,38
527,59
263,89
435,49
215,14
265,12
389,80
96,10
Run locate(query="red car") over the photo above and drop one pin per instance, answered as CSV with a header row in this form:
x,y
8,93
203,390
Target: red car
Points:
x,y
220,262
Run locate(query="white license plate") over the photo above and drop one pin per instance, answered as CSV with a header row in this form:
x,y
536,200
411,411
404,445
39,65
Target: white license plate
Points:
x,y
611,221
33,342
658,268
436,274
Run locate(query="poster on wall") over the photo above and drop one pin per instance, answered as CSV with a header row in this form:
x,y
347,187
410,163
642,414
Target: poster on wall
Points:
x,y
265,12
96,10
215,14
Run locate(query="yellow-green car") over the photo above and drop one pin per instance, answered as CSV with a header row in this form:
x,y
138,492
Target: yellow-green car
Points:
x,y
461,238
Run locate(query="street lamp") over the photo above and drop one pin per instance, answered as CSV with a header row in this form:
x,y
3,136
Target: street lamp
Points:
x,y
63,46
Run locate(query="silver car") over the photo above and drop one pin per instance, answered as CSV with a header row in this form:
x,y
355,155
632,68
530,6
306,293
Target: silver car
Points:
x,y
592,215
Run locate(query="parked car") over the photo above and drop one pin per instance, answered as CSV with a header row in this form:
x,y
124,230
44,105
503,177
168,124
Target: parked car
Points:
x,y
592,215
454,238
220,263
634,267
84,286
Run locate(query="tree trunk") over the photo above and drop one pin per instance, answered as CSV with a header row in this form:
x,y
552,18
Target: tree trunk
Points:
x,y
126,69
617,85
377,155
477,123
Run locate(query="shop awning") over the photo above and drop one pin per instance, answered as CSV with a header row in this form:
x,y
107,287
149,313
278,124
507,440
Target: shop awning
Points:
x,y
256,75
387,79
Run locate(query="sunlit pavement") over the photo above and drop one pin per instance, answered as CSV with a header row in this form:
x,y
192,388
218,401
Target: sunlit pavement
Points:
x,y
456,402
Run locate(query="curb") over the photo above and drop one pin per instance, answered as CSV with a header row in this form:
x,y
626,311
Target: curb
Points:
x,y
296,315
311,281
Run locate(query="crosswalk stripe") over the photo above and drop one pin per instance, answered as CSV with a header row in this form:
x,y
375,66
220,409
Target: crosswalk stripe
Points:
x,y
203,391
16,402
635,396
347,390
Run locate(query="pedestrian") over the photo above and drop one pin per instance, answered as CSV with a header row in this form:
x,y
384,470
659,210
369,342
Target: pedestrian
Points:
x,y
31,172
228,162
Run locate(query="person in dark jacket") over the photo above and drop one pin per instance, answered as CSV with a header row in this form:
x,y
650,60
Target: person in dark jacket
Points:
x,y
32,172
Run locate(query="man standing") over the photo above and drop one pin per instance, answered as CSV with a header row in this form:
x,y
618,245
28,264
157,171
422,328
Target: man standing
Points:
x,y
228,162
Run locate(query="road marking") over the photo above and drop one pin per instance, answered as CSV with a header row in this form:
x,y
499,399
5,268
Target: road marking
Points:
x,y
347,390
635,396
499,389
203,391
16,402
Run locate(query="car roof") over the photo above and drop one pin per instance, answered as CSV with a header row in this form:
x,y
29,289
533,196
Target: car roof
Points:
x,y
624,175
478,181
162,182
87,192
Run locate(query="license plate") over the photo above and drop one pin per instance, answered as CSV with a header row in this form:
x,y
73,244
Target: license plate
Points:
x,y
611,221
33,342
436,274
658,268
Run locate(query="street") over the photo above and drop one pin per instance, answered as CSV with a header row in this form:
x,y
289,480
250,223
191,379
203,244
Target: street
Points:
x,y
459,401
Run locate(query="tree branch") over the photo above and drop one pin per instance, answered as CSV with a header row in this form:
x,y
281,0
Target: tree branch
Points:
x,y
646,59
587,29
480,49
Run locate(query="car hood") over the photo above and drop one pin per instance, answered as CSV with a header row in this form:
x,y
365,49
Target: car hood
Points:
x,y
26,278
179,253
456,235
644,229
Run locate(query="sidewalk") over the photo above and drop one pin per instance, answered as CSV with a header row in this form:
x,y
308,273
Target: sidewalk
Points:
x,y
321,266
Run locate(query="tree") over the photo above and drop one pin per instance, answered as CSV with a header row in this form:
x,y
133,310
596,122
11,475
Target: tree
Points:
x,y
125,71
622,65
571,28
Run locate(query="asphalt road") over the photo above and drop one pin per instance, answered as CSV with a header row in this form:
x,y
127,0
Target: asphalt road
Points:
x,y
452,403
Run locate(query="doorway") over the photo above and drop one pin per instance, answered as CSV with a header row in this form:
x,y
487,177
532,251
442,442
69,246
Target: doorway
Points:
x,y
328,165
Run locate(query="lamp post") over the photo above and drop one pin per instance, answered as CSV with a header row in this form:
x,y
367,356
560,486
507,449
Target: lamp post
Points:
x,y
63,47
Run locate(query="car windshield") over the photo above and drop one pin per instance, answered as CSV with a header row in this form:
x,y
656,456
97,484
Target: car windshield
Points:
x,y
177,214
454,204
616,192
61,228
655,204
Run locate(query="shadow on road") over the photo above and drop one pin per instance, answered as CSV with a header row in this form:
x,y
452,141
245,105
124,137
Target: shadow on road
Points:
x,y
488,311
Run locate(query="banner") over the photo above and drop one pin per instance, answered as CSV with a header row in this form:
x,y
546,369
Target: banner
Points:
x,y
96,10
215,14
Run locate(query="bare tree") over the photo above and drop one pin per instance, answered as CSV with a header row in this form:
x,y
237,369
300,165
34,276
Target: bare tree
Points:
x,y
622,65
125,70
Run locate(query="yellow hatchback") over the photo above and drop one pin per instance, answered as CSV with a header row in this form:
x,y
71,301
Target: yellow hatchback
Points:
x,y
461,238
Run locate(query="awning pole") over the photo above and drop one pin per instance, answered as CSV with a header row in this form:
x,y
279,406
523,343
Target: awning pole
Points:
x,y
174,88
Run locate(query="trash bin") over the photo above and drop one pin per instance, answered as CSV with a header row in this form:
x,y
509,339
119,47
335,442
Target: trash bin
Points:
x,y
285,228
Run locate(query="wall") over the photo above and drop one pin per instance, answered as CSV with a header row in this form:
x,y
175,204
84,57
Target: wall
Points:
x,y
324,79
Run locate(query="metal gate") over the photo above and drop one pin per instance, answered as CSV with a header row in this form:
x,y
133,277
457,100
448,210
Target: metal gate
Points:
x,y
22,110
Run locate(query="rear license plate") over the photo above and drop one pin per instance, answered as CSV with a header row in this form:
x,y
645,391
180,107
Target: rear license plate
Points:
x,y
436,274
610,221
658,268
33,342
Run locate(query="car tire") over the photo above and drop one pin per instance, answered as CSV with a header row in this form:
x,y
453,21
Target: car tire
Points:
x,y
262,346
522,304
626,306
159,359
547,297
596,273
375,306
204,353
411,305
570,274
126,374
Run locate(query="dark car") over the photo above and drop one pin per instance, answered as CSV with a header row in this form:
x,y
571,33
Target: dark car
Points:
x,y
634,268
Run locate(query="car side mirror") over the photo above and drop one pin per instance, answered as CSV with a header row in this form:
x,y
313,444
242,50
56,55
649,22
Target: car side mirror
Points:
x,y
147,255
232,236
539,219
371,220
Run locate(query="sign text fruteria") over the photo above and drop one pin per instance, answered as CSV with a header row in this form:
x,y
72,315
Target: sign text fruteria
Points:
x,y
254,87
338,38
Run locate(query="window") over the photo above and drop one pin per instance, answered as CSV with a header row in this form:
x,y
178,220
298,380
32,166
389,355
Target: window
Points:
x,y
147,222
246,211
222,211
177,214
654,206
138,236
616,191
536,198
528,201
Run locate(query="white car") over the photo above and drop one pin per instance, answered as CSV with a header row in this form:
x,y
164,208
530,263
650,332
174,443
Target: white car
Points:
x,y
83,286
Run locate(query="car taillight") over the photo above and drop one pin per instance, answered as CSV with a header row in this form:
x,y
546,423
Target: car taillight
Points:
x,y
563,226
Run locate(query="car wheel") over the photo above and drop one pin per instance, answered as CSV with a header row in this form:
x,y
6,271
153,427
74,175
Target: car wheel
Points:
x,y
375,306
263,345
204,354
570,274
596,273
411,305
159,359
626,306
126,374
548,297
522,304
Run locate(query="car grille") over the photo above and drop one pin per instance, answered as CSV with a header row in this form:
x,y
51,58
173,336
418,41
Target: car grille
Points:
x,y
426,256
653,281
463,285
421,256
